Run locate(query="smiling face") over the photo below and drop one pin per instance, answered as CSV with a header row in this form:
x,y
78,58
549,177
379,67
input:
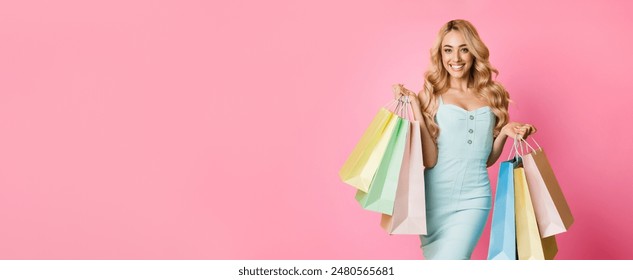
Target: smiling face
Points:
x,y
456,57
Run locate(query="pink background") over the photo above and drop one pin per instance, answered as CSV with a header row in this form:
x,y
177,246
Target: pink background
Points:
x,y
196,130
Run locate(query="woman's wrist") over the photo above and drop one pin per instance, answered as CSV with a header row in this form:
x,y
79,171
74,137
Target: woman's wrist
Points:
x,y
502,135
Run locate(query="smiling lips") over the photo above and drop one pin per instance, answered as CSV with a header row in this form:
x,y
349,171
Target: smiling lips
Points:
x,y
457,67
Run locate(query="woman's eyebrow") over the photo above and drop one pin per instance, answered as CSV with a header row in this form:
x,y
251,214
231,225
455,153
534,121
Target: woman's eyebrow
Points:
x,y
462,45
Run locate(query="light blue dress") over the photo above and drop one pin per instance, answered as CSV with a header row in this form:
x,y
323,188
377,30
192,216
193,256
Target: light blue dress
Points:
x,y
458,196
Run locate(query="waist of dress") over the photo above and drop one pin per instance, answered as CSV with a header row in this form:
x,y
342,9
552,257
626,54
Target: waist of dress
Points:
x,y
464,155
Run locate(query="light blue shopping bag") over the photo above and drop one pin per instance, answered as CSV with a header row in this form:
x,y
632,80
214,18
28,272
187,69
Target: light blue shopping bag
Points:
x,y
503,231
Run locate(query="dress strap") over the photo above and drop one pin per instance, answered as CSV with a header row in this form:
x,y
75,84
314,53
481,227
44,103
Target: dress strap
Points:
x,y
440,98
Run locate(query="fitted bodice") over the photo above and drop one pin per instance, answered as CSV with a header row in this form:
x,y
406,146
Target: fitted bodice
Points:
x,y
464,134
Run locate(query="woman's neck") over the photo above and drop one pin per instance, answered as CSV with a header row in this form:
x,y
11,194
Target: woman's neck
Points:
x,y
459,84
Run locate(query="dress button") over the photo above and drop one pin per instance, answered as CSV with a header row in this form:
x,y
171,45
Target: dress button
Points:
x,y
472,117
470,141
470,131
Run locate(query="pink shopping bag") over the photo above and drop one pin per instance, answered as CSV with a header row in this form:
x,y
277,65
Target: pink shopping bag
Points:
x,y
552,211
409,212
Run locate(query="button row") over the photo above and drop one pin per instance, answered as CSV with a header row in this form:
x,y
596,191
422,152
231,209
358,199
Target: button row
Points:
x,y
471,130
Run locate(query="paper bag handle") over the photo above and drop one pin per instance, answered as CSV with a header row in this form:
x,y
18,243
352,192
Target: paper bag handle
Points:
x,y
514,149
529,146
402,107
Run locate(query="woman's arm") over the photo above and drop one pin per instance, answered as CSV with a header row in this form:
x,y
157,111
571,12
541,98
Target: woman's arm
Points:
x,y
429,147
497,149
513,130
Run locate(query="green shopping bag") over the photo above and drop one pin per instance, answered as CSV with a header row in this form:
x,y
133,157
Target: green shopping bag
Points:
x,y
382,191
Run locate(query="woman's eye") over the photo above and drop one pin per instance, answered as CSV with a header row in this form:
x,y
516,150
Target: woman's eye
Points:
x,y
448,50
464,50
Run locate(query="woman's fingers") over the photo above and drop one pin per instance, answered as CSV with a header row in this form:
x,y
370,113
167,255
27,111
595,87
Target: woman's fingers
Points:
x,y
532,129
527,130
396,88
518,130
397,91
404,90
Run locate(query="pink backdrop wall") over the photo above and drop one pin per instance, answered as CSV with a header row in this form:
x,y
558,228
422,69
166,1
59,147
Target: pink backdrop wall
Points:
x,y
191,130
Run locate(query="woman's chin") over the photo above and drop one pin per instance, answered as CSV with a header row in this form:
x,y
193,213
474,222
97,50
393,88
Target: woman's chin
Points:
x,y
456,75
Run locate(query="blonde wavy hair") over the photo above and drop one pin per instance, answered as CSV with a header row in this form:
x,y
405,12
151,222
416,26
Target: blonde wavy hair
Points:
x,y
436,78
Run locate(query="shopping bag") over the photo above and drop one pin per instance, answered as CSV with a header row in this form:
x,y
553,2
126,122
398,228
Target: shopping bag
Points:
x,y
550,248
502,230
382,191
361,166
409,212
529,245
552,211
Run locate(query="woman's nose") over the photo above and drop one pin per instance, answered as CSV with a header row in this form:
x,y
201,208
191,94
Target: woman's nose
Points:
x,y
457,57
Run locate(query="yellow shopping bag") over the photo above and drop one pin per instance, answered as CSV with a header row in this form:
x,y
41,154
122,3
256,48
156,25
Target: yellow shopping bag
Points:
x,y
360,167
530,246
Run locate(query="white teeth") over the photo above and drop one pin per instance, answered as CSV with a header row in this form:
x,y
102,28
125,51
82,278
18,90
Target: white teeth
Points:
x,y
457,67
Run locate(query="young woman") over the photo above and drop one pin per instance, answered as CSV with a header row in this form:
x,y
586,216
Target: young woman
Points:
x,y
464,123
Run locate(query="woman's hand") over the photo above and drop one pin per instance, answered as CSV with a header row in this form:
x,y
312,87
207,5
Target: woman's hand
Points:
x,y
521,130
399,90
